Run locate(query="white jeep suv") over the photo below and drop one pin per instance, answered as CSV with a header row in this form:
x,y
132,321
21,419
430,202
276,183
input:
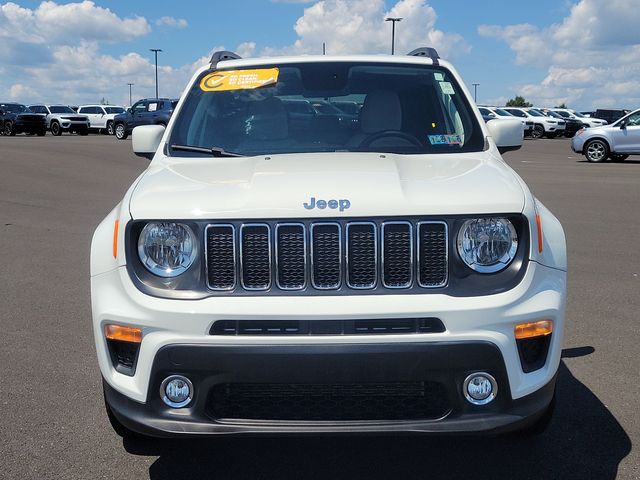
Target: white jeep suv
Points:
x,y
542,125
265,277
101,116
61,118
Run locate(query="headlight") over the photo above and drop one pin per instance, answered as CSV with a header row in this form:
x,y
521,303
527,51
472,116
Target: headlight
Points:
x,y
487,245
167,249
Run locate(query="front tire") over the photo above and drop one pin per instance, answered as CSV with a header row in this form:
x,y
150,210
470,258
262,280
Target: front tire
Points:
x,y
9,131
596,151
110,129
56,130
537,132
121,131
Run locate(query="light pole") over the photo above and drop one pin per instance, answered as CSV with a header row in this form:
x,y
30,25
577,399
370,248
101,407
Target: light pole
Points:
x,y
130,85
475,92
393,21
156,50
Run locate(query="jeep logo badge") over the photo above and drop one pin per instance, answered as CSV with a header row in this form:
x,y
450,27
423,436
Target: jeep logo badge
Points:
x,y
341,204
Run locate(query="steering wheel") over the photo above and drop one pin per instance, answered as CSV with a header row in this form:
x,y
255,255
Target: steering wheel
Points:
x,y
390,133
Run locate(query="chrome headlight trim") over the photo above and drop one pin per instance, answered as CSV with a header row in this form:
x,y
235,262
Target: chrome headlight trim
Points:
x,y
182,258
469,253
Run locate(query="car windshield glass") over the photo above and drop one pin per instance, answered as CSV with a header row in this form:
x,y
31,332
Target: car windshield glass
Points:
x,y
535,113
555,114
565,114
15,108
114,109
60,109
502,112
402,109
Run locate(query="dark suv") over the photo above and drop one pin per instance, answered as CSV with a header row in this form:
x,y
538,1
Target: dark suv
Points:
x,y
148,111
17,118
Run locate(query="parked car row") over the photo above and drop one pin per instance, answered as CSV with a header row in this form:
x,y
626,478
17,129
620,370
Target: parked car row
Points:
x,y
39,118
544,122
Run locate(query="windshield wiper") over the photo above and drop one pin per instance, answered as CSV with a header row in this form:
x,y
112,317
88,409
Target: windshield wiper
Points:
x,y
214,151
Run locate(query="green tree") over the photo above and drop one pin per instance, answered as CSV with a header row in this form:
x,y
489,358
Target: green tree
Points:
x,y
562,105
518,101
104,101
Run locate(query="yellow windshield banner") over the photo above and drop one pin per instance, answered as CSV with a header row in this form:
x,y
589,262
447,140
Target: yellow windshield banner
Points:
x,y
239,79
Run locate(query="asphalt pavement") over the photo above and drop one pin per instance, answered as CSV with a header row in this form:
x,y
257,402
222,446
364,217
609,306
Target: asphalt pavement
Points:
x,y
54,192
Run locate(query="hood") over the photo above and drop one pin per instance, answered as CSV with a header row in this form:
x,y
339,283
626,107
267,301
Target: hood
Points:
x,y
360,185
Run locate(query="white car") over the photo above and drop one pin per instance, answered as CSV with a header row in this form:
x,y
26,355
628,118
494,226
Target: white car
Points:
x,y
542,125
498,113
101,116
61,118
397,278
592,122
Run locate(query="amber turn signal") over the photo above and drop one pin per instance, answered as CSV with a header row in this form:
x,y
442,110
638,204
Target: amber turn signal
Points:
x,y
123,334
115,238
533,329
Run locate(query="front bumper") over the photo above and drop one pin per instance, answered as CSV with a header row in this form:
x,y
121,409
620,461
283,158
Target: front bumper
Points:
x,y
70,125
180,325
215,369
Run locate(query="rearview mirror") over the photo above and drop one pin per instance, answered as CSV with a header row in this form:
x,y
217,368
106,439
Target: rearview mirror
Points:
x,y
507,133
145,140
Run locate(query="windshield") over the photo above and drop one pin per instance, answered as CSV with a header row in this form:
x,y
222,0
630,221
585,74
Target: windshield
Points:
x,y
400,108
535,113
15,108
565,114
114,109
503,113
60,109
555,114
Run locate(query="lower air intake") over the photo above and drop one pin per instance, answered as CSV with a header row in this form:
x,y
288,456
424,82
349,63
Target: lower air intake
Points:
x,y
329,402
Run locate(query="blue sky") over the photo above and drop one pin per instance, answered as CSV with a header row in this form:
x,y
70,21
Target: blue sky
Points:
x,y
507,46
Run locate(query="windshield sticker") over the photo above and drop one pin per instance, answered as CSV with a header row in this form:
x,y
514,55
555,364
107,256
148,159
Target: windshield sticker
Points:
x,y
438,76
446,88
239,80
446,139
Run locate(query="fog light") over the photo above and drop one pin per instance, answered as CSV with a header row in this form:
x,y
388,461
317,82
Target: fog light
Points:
x,y
176,391
480,388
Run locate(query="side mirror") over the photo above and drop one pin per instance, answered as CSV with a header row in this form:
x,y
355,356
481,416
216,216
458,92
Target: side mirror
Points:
x,y
623,125
145,140
129,109
507,133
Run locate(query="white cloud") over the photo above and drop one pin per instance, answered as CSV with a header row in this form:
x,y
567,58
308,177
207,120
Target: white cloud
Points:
x,y
592,56
172,22
63,63
358,26
52,23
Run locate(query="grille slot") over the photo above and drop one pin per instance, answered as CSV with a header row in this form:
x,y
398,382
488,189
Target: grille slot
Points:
x,y
432,254
255,256
326,255
337,402
362,246
397,254
291,256
221,257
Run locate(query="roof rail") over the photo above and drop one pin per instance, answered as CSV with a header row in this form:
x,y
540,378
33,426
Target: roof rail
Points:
x,y
221,56
425,52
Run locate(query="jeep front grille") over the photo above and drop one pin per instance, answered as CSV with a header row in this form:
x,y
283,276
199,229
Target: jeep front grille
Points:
x,y
326,256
